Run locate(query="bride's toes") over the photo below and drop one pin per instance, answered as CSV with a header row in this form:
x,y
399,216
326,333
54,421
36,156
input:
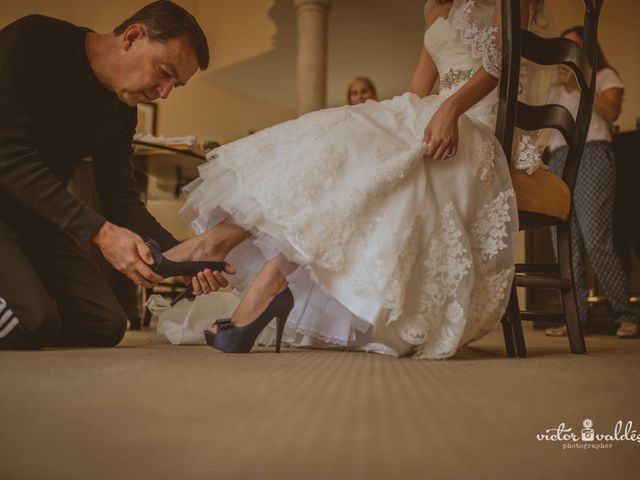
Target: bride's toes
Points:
x,y
224,323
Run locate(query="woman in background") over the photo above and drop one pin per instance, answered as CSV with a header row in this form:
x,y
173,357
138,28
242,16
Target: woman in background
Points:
x,y
594,193
360,90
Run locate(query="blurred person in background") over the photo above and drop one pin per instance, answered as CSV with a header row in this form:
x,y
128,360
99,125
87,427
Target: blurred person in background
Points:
x,y
360,90
594,192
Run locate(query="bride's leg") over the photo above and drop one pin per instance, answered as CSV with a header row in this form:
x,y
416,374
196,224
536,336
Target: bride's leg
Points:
x,y
267,284
213,245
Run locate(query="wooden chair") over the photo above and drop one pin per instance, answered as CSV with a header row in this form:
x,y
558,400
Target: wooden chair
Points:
x,y
543,199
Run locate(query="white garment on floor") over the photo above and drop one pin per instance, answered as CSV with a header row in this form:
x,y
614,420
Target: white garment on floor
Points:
x,y
392,253
185,322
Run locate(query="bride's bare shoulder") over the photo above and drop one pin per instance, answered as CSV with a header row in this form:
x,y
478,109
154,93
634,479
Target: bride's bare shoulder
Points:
x,y
438,10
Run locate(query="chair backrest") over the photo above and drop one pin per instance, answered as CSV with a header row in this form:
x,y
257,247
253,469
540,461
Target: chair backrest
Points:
x,y
517,42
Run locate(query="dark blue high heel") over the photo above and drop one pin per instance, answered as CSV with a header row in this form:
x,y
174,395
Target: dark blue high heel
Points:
x,y
168,268
232,339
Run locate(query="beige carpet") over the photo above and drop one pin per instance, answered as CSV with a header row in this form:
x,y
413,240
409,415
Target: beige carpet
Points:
x,y
151,411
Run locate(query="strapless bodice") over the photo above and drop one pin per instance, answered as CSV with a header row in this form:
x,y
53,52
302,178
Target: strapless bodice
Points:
x,y
456,65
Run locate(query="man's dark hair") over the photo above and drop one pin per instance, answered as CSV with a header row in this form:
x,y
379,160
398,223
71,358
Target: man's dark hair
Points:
x,y
164,20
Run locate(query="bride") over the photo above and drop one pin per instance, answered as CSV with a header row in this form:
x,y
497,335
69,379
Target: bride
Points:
x,y
385,227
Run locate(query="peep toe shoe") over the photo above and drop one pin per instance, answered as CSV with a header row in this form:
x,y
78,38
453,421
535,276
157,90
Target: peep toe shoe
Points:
x,y
232,339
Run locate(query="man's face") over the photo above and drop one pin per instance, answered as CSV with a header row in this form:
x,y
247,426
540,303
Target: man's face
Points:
x,y
150,69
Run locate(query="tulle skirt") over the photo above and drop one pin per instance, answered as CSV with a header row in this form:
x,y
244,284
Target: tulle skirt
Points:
x,y
384,251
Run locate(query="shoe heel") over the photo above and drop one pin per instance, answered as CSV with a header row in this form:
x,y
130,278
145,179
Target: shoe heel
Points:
x,y
281,321
186,293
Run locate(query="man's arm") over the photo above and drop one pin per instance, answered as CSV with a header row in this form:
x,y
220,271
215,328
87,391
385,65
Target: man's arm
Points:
x,y
26,63
119,196
125,212
24,66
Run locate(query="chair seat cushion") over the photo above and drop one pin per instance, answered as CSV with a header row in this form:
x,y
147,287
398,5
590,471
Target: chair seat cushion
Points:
x,y
541,193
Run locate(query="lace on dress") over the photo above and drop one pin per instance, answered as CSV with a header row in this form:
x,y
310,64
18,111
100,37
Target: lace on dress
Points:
x,y
479,29
392,253
475,20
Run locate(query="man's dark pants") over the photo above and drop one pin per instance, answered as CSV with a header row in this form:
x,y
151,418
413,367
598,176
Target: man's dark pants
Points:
x,y
53,294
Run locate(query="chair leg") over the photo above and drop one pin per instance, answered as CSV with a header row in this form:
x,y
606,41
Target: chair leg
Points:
x,y
569,301
516,322
146,319
507,323
512,326
508,335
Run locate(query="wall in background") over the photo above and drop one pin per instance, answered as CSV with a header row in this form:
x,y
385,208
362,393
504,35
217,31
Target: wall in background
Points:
x,y
243,30
236,31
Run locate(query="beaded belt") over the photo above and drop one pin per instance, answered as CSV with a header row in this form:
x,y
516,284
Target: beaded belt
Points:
x,y
454,77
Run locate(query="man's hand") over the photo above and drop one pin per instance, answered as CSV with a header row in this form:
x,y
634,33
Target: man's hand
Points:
x,y
209,281
128,254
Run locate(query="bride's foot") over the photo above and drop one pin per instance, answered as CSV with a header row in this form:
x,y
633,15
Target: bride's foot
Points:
x,y
268,283
213,245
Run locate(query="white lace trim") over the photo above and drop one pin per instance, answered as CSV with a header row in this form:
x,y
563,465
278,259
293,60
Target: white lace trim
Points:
x,y
447,263
482,40
371,273
488,301
317,334
529,156
482,160
490,227
327,241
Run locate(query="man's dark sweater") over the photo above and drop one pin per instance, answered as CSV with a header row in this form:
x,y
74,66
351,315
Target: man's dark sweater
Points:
x,y
53,112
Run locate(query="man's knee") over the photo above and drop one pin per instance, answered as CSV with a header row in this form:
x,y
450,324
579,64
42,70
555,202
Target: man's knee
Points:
x,y
117,326
107,330
99,329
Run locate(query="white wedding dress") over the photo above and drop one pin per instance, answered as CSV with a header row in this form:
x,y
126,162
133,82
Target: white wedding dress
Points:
x,y
387,251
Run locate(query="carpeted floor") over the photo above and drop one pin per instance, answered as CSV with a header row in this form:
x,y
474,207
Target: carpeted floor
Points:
x,y
150,411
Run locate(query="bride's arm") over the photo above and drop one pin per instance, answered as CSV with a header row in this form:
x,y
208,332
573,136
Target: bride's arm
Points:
x,y
441,134
426,73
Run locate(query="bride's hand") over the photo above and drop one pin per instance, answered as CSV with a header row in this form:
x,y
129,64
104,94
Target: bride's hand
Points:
x,y
441,133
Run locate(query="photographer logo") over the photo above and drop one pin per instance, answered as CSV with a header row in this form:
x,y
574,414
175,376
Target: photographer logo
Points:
x,y
588,437
587,430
